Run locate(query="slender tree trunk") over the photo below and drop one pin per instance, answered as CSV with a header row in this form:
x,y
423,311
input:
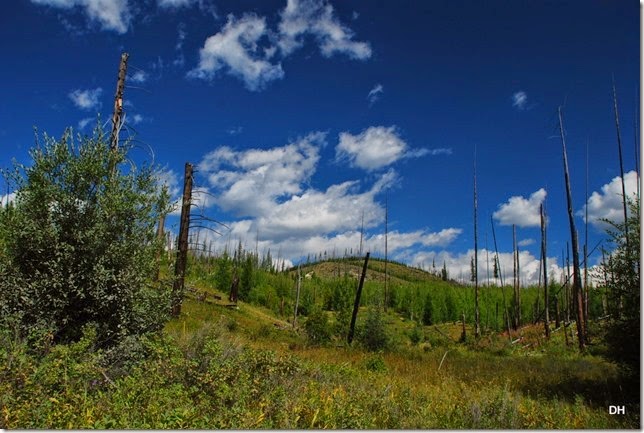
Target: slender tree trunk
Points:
x,y
498,267
118,103
297,296
182,253
356,304
621,167
386,234
477,322
517,296
581,331
545,271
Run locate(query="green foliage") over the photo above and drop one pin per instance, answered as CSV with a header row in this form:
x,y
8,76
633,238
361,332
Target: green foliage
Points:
x,y
247,278
623,284
317,327
376,364
373,334
416,335
78,246
223,272
428,311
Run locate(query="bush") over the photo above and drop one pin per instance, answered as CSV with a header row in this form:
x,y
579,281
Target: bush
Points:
x,y
78,245
416,335
317,327
373,334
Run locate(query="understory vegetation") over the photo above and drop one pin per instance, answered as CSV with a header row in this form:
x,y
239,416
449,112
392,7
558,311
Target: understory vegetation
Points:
x,y
86,339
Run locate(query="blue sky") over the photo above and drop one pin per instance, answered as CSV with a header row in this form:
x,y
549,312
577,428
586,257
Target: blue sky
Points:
x,y
302,115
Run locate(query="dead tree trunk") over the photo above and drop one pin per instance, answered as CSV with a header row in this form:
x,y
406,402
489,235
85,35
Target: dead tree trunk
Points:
x,y
297,296
463,331
581,331
477,322
356,304
498,267
515,258
182,253
545,271
386,235
118,103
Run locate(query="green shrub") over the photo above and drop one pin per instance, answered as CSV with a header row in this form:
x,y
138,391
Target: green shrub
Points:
x,y
373,335
376,364
79,245
416,335
317,327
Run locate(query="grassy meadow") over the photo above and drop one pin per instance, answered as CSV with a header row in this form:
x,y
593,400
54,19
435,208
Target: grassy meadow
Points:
x,y
224,366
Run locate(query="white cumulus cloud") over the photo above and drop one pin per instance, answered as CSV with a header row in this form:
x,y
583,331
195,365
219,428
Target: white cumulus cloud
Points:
x,y
607,203
521,211
114,15
374,148
86,99
235,50
317,18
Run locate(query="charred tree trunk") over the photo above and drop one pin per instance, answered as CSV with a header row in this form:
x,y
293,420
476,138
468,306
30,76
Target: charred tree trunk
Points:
x,y
297,296
477,319
545,271
498,266
182,253
356,304
581,331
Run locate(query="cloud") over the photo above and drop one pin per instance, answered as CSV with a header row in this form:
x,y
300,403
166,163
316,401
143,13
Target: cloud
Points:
x,y
84,122
520,211
7,198
269,191
520,100
525,242
175,4
235,50
170,179
86,99
374,148
113,15
139,77
374,94
459,266
440,151
235,130
316,18
607,203
250,181
137,118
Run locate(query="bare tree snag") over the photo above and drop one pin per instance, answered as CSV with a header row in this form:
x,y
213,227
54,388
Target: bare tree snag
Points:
x,y
477,319
386,235
118,103
356,304
182,252
498,265
581,332
297,297
545,271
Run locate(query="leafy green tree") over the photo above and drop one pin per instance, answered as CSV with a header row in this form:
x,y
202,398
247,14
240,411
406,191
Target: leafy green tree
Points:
x,y
623,284
444,275
247,278
317,326
373,334
223,272
79,245
428,311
